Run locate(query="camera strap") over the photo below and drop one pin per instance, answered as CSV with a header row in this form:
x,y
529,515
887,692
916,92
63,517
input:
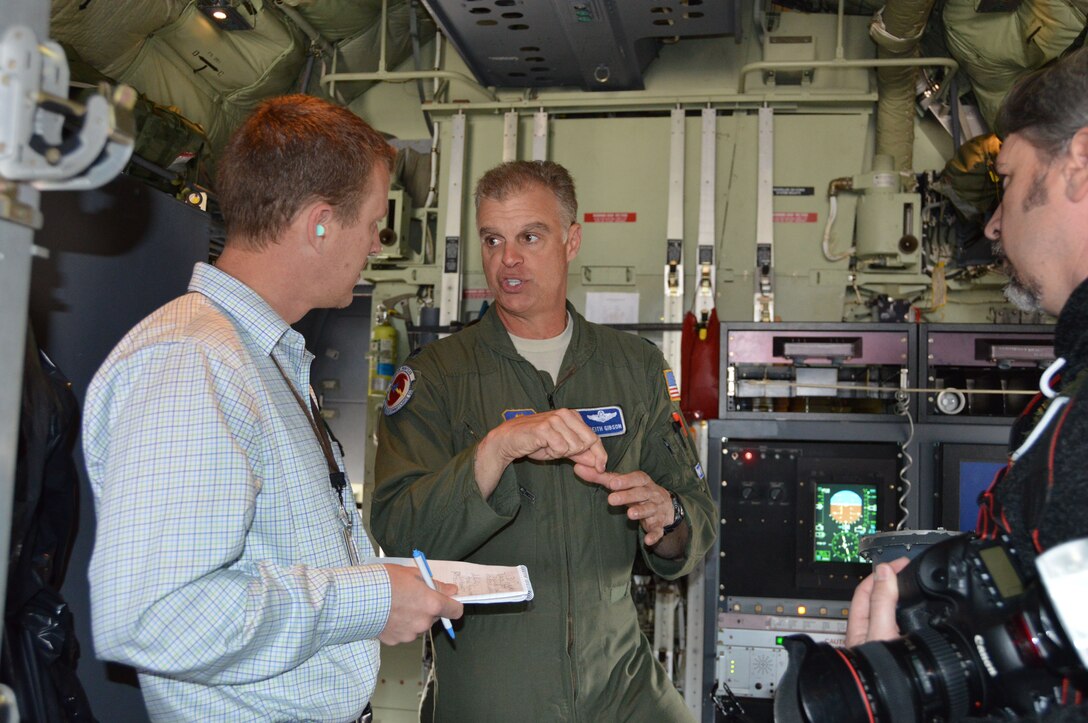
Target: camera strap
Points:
x,y
1033,462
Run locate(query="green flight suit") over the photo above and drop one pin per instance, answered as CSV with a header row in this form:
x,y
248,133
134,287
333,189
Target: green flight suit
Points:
x,y
575,651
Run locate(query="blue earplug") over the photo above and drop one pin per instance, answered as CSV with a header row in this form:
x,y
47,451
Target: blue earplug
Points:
x,y
320,230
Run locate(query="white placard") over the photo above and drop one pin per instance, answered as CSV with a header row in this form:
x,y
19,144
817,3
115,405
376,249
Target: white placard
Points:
x,y
612,307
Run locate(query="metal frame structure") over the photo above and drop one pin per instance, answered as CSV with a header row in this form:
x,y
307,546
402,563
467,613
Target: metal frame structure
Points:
x,y
34,156
673,287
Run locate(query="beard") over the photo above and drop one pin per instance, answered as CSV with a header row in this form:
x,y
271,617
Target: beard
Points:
x,y
1023,297
1021,293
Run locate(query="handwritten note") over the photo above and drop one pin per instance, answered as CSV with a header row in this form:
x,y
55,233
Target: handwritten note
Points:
x,y
475,583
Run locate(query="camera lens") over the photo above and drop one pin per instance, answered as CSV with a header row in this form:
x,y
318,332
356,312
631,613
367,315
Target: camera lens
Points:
x,y
817,682
835,684
919,677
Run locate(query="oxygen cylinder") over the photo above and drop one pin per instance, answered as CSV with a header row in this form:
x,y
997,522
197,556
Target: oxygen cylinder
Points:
x,y
383,354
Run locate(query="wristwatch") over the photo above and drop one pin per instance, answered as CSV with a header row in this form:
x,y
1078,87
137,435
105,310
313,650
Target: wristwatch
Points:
x,y
678,511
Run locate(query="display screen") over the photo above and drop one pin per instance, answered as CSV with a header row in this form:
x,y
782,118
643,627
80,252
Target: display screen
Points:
x,y
1002,572
842,515
975,478
967,470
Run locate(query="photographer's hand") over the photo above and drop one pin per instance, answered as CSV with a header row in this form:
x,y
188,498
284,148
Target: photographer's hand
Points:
x,y
872,610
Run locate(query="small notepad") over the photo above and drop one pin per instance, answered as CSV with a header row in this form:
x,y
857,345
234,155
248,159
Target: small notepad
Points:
x,y
475,583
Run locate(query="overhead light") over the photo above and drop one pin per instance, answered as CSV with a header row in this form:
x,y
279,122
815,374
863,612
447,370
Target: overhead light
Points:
x,y
223,14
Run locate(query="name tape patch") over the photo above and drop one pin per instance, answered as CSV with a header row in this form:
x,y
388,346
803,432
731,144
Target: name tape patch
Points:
x,y
604,421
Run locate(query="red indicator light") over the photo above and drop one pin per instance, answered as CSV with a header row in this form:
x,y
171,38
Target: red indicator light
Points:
x,y
749,455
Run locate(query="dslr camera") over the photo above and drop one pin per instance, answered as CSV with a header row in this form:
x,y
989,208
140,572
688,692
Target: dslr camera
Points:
x,y
980,637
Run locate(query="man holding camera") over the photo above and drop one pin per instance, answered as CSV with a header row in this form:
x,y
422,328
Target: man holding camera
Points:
x,y
1040,232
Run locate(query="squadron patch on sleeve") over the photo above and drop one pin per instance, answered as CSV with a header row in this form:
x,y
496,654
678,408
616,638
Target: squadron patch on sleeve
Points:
x,y
670,383
509,414
400,390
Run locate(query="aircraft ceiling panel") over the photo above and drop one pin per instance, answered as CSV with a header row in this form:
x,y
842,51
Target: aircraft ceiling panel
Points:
x,y
591,44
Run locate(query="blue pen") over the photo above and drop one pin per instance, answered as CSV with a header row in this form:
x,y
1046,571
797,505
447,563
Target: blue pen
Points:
x,y
425,571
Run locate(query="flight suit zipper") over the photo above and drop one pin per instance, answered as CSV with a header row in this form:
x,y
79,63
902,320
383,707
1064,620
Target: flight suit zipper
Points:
x,y
551,394
570,583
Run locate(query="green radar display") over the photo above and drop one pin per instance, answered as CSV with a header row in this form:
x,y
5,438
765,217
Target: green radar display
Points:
x,y
844,513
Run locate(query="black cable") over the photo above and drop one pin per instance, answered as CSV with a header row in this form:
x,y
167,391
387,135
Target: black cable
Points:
x,y
727,704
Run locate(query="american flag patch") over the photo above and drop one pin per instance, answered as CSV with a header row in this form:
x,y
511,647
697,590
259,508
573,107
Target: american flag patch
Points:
x,y
670,382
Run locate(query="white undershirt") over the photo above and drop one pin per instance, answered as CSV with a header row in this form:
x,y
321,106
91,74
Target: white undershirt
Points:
x,y
546,354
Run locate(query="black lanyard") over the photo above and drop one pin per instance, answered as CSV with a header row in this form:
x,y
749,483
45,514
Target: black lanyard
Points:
x,y
336,477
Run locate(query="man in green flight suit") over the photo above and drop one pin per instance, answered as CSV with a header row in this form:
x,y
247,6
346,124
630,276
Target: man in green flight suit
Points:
x,y
535,437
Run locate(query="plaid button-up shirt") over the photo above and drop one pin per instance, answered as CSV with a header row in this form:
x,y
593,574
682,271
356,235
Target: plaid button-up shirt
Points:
x,y
220,570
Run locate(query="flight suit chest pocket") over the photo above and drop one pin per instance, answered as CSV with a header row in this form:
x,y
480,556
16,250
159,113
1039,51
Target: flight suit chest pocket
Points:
x,y
625,450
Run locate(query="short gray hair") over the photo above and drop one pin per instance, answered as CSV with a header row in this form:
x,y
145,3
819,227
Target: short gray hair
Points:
x,y
515,176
